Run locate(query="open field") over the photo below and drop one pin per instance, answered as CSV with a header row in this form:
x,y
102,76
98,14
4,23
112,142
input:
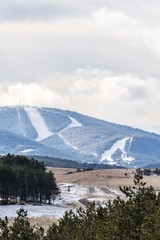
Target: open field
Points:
x,y
110,178
77,189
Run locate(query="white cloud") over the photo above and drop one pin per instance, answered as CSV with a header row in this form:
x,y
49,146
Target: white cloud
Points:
x,y
123,98
32,10
134,32
31,94
35,51
46,46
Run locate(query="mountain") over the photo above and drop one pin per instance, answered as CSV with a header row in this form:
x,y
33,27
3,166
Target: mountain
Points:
x,y
70,135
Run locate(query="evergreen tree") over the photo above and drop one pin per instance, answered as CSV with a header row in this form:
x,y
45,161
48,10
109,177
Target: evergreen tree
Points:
x,y
4,229
26,180
21,228
137,217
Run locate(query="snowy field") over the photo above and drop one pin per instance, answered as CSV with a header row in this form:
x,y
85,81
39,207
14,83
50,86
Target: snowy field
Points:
x,y
33,211
70,197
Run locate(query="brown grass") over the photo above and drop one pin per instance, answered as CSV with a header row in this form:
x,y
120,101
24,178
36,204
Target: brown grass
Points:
x,y
110,178
104,179
45,222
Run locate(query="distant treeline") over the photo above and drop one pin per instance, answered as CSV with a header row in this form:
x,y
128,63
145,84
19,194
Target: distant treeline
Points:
x,y
149,171
25,180
64,163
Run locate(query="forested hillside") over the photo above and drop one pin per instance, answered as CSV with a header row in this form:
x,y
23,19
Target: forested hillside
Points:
x,y
56,133
64,163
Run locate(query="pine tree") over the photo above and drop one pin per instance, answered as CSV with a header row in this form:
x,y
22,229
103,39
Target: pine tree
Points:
x,y
21,228
135,218
4,229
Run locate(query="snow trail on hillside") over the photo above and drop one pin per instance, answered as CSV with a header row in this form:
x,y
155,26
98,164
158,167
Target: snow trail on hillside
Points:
x,y
74,123
120,144
20,122
27,150
38,123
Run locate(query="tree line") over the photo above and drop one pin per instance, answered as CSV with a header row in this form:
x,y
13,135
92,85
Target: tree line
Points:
x,y
149,171
24,180
66,163
135,218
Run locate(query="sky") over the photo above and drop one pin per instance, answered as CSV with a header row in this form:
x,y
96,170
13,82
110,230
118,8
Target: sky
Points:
x,y
97,57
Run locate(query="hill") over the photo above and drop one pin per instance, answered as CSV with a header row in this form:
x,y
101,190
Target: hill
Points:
x,y
64,134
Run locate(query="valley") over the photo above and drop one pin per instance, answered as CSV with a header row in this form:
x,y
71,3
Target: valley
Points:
x,y
77,190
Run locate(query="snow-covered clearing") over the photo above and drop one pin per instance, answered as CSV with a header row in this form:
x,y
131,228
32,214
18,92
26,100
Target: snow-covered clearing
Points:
x,y
120,144
33,211
72,193
70,197
38,123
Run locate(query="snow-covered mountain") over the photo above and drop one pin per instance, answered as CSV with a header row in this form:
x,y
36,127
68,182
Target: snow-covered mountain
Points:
x,y
70,135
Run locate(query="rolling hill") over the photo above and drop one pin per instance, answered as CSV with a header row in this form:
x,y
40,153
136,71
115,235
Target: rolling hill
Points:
x,y
69,135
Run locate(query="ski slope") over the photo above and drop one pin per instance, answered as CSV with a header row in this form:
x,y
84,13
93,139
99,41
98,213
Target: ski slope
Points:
x,y
69,135
20,122
74,123
38,123
118,145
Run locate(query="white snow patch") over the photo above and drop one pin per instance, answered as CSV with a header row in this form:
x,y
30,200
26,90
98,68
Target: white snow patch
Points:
x,y
38,123
33,211
94,154
120,144
27,150
74,123
72,193
67,200
20,122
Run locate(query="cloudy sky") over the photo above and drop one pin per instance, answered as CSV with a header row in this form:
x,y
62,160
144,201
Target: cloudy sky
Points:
x,y
97,57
